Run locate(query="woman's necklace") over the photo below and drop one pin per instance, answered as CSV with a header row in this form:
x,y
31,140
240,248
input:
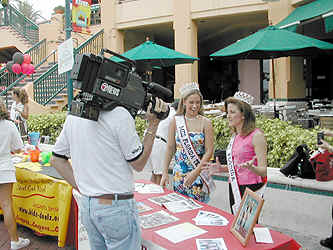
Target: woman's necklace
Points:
x,y
191,118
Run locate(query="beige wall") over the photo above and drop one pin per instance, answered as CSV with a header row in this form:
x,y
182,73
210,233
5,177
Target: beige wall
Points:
x,y
249,78
121,23
288,72
186,42
9,38
144,12
213,8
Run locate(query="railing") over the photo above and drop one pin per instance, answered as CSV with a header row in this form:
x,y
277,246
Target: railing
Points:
x,y
10,16
10,80
50,84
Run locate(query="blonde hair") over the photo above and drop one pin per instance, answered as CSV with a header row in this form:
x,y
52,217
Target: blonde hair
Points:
x,y
22,95
3,111
249,117
181,107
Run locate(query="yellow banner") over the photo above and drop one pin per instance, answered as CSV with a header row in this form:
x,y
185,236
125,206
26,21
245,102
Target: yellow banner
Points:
x,y
42,203
81,16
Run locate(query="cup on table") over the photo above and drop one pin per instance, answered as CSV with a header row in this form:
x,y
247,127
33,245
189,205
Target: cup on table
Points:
x,y
34,138
34,155
46,156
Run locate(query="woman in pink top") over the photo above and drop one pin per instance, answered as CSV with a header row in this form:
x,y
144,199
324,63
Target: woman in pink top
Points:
x,y
248,147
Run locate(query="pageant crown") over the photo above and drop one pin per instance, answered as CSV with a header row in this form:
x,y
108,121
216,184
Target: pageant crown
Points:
x,y
188,87
244,97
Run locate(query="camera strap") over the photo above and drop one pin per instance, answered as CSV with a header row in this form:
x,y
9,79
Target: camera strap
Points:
x,y
209,185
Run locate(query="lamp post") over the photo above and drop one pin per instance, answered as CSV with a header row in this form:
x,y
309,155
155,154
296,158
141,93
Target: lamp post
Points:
x,y
68,35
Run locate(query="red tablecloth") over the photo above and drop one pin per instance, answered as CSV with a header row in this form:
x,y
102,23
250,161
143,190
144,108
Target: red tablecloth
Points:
x,y
281,241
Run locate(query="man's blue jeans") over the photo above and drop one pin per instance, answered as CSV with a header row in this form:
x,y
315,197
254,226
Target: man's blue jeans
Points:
x,y
111,226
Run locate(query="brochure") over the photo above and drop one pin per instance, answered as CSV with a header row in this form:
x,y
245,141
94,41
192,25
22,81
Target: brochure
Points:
x,y
211,244
148,188
206,218
160,200
181,205
156,219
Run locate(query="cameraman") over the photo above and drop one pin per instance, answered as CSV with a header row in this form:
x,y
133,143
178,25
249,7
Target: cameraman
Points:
x,y
103,154
328,242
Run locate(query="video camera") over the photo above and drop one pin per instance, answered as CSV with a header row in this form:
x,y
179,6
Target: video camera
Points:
x,y
105,84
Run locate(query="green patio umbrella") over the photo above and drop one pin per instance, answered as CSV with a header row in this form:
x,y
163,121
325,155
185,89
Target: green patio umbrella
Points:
x,y
273,42
156,55
270,43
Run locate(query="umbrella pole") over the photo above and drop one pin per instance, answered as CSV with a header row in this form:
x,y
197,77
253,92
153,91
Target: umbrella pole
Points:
x,y
276,115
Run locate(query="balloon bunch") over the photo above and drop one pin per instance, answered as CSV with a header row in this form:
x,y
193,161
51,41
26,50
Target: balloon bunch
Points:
x,y
20,64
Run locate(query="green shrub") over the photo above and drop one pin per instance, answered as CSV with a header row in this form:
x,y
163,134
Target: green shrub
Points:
x,y
141,125
282,137
47,124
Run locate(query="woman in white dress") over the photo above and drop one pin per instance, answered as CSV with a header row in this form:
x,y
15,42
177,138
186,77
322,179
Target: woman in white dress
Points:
x,y
10,142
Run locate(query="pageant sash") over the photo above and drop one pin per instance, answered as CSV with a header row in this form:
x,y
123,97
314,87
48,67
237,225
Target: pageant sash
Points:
x,y
209,185
232,176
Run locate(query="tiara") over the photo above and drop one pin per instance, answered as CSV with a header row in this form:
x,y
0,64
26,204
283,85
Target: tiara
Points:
x,y
244,97
188,87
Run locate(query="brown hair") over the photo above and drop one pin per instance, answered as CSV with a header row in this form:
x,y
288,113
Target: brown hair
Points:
x,y
3,111
181,107
22,95
249,117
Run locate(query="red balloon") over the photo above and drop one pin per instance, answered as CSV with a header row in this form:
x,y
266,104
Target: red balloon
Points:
x,y
31,69
27,59
16,68
25,68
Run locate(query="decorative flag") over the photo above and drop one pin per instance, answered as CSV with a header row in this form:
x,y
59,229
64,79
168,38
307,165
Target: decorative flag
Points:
x,y
81,16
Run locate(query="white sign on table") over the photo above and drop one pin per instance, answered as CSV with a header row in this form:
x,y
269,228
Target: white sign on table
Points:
x,y
65,56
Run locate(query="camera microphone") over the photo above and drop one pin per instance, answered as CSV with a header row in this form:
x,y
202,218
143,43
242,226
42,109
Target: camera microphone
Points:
x,y
159,90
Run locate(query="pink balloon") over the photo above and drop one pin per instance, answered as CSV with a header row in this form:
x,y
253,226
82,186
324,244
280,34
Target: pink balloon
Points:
x,y
16,68
25,68
31,69
27,59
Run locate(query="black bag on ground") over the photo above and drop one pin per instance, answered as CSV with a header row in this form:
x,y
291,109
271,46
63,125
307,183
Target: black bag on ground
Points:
x,y
299,164
306,169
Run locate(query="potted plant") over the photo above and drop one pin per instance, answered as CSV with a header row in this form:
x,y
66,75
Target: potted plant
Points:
x,y
59,9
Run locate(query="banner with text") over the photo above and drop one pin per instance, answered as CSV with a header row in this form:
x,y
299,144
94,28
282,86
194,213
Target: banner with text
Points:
x,y
42,203
81,16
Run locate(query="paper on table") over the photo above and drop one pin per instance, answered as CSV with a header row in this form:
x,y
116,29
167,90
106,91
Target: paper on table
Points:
x,y
262,235
142,207
210,219
181,206
213,244
180,232
16,159
156,219
150,189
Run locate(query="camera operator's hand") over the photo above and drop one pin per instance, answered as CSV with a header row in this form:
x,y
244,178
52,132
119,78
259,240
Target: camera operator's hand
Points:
x,y
328,133
160,106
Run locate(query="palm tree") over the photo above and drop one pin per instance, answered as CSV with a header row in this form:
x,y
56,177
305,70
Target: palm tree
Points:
x,y
27,9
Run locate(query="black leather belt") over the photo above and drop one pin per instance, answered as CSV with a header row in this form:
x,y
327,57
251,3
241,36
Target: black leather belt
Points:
x,y
115,196
161,138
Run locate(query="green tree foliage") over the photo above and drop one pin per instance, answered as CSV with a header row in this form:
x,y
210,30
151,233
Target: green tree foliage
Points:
x,y
27,9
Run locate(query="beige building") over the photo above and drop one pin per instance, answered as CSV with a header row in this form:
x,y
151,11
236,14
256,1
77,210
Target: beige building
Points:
x,y
199,28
